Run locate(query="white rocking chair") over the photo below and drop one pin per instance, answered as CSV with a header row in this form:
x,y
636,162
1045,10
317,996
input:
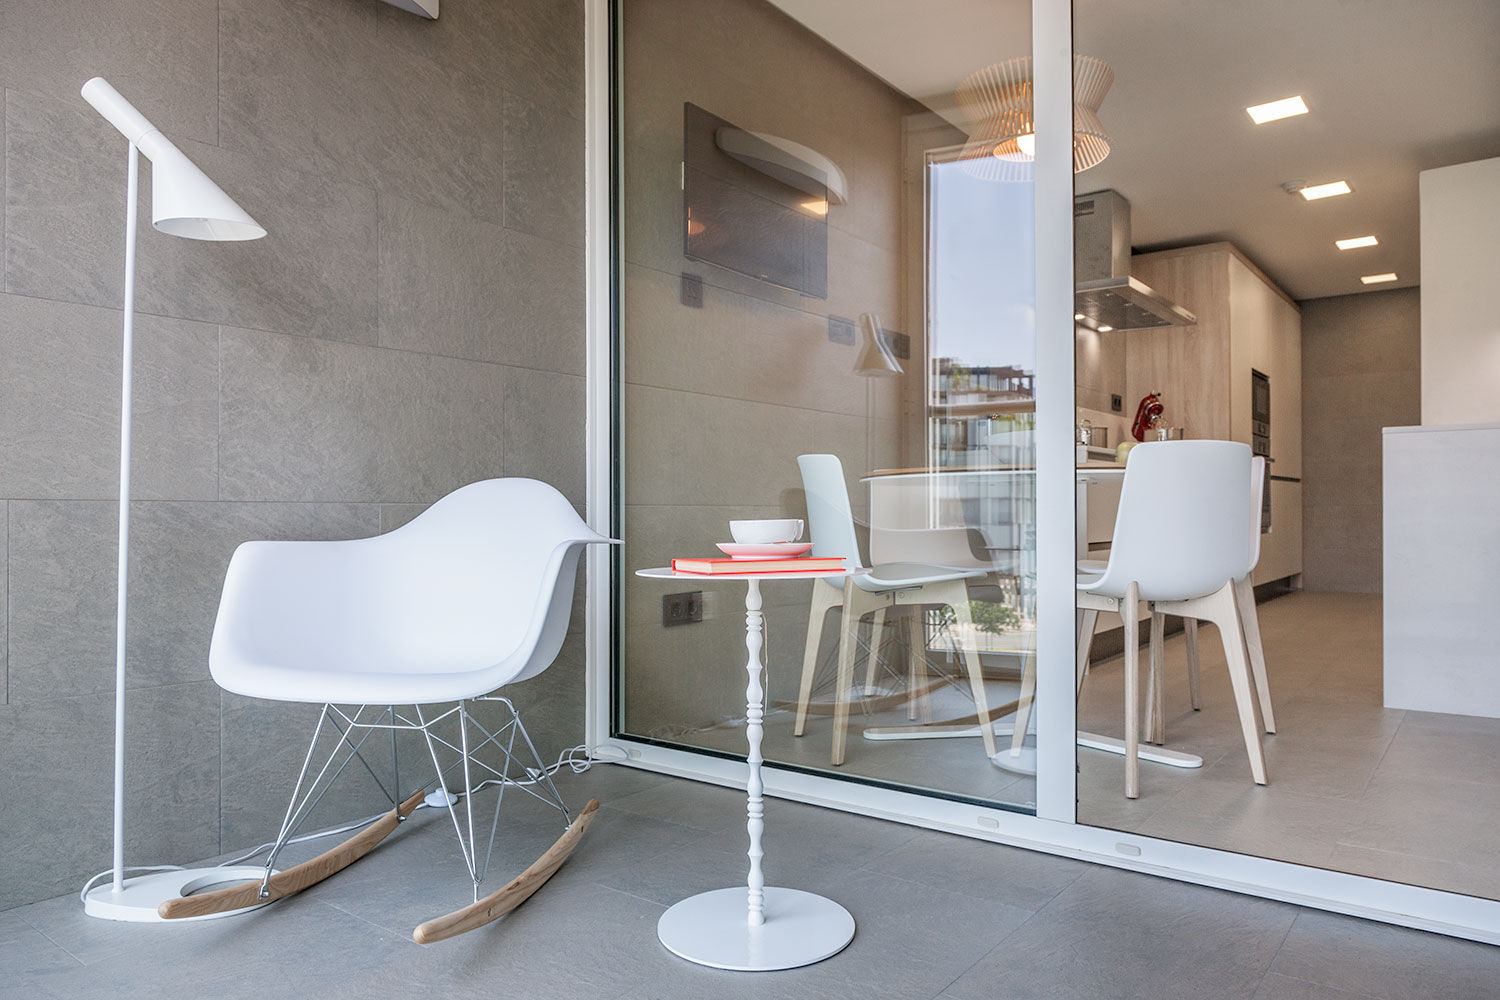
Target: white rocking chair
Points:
x,y
472,595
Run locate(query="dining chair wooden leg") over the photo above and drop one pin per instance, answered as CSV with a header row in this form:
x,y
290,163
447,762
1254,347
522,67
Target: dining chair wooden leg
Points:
x,y
1226,615
1195,689
956,596
1088,618
824,597
1024,702
1156,722
1130,617
877,632
917,705
848,641
1244,596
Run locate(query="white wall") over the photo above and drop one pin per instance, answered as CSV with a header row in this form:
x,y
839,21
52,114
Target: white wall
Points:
x,y
1460,267
1442,485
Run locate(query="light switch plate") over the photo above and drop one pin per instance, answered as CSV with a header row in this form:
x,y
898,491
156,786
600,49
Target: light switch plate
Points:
x,y
841,330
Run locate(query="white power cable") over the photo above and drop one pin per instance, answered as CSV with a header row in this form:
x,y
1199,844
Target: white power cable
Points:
x,y
577,759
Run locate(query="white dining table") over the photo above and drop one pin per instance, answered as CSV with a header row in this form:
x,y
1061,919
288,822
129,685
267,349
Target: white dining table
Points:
x,y
1087,474
754,927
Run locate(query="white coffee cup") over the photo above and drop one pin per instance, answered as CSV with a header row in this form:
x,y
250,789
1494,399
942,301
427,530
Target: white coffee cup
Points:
x,y
766,531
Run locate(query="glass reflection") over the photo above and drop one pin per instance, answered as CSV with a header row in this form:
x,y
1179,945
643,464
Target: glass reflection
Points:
x,y
827,316
1293,355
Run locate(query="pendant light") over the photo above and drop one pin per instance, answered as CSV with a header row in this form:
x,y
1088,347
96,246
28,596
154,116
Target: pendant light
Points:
x,y
998,103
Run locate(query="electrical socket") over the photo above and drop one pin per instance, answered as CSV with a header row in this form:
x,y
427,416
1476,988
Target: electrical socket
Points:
x,y
841,330
1116,404
682,609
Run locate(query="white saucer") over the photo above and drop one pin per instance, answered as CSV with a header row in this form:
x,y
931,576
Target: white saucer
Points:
x,y
764,550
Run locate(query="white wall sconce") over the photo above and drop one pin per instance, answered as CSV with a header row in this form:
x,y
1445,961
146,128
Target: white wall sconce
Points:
x,y
422,8
791,163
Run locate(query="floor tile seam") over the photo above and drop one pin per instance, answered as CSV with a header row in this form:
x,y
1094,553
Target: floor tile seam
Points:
x,y
627,893
984,957
1352,994
656,819
1401,854
1265,971
1142,821
983,897
1301,913
912,833
1390,742
1477,785
361,918
51,940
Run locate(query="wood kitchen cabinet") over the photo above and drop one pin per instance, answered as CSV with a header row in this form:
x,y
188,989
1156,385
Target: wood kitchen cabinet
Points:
x,y
1203,372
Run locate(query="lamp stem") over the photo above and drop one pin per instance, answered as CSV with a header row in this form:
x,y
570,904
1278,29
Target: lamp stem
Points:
x,y
123,561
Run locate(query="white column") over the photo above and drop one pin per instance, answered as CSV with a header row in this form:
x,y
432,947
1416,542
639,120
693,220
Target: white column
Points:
x,y
755,808
1056,489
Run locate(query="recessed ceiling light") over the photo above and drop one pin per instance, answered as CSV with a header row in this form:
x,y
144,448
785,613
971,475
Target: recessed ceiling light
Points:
x,y
1316,191
1355,242
1375,279
1105,328
1078,316
1276,110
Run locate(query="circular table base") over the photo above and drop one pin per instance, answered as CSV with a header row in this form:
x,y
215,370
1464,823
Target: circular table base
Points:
x,y
1021,761
711,929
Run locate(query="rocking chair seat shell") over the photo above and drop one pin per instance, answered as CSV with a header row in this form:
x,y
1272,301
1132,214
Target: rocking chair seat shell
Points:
x,y
472,594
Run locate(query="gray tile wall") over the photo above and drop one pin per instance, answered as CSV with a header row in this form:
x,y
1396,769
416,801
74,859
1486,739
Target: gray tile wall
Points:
x,y
1361,359
414,321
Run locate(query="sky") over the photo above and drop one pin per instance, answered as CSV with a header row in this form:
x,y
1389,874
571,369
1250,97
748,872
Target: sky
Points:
x,y
983,269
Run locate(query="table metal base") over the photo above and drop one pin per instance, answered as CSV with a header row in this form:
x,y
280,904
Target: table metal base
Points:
x,y
1092,741
711,929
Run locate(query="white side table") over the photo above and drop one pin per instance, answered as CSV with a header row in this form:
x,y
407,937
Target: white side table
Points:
x,y
753,928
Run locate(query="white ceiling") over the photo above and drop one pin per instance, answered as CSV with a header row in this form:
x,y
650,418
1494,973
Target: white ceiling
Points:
x,y
1394,87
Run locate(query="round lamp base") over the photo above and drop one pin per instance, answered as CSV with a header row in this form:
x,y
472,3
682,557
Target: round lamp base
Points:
x,y
139,896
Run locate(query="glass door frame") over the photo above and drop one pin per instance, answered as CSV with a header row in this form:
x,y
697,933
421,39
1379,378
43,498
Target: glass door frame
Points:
x,y
1054,829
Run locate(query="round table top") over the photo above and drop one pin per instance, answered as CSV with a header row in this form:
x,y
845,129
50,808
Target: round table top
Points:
x,y
667,573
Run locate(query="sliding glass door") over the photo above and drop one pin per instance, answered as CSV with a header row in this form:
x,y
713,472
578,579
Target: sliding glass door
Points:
x,y
827,315
836,291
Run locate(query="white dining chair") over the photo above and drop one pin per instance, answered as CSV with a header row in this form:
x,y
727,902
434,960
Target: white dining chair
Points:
x,y
402,632
1244,598
906,583
1180,543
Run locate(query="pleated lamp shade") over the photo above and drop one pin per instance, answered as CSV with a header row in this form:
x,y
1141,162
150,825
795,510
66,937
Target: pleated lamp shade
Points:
x,y
998,103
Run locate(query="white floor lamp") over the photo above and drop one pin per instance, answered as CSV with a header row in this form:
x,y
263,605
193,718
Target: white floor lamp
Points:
x,y
184,202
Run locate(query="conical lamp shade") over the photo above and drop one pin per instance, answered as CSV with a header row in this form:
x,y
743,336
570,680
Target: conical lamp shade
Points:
x,y
184,202
875,357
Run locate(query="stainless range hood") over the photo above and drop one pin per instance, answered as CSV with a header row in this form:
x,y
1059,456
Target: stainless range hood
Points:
x,y
1106,294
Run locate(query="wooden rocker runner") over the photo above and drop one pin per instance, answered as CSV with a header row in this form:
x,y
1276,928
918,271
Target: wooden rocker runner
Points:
x,y
409,632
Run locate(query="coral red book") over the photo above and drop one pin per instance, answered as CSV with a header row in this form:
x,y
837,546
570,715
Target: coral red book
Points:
x,y
801,564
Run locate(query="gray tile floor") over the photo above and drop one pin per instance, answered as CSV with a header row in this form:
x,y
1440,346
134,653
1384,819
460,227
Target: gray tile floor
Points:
x,y
938,916
1354,786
